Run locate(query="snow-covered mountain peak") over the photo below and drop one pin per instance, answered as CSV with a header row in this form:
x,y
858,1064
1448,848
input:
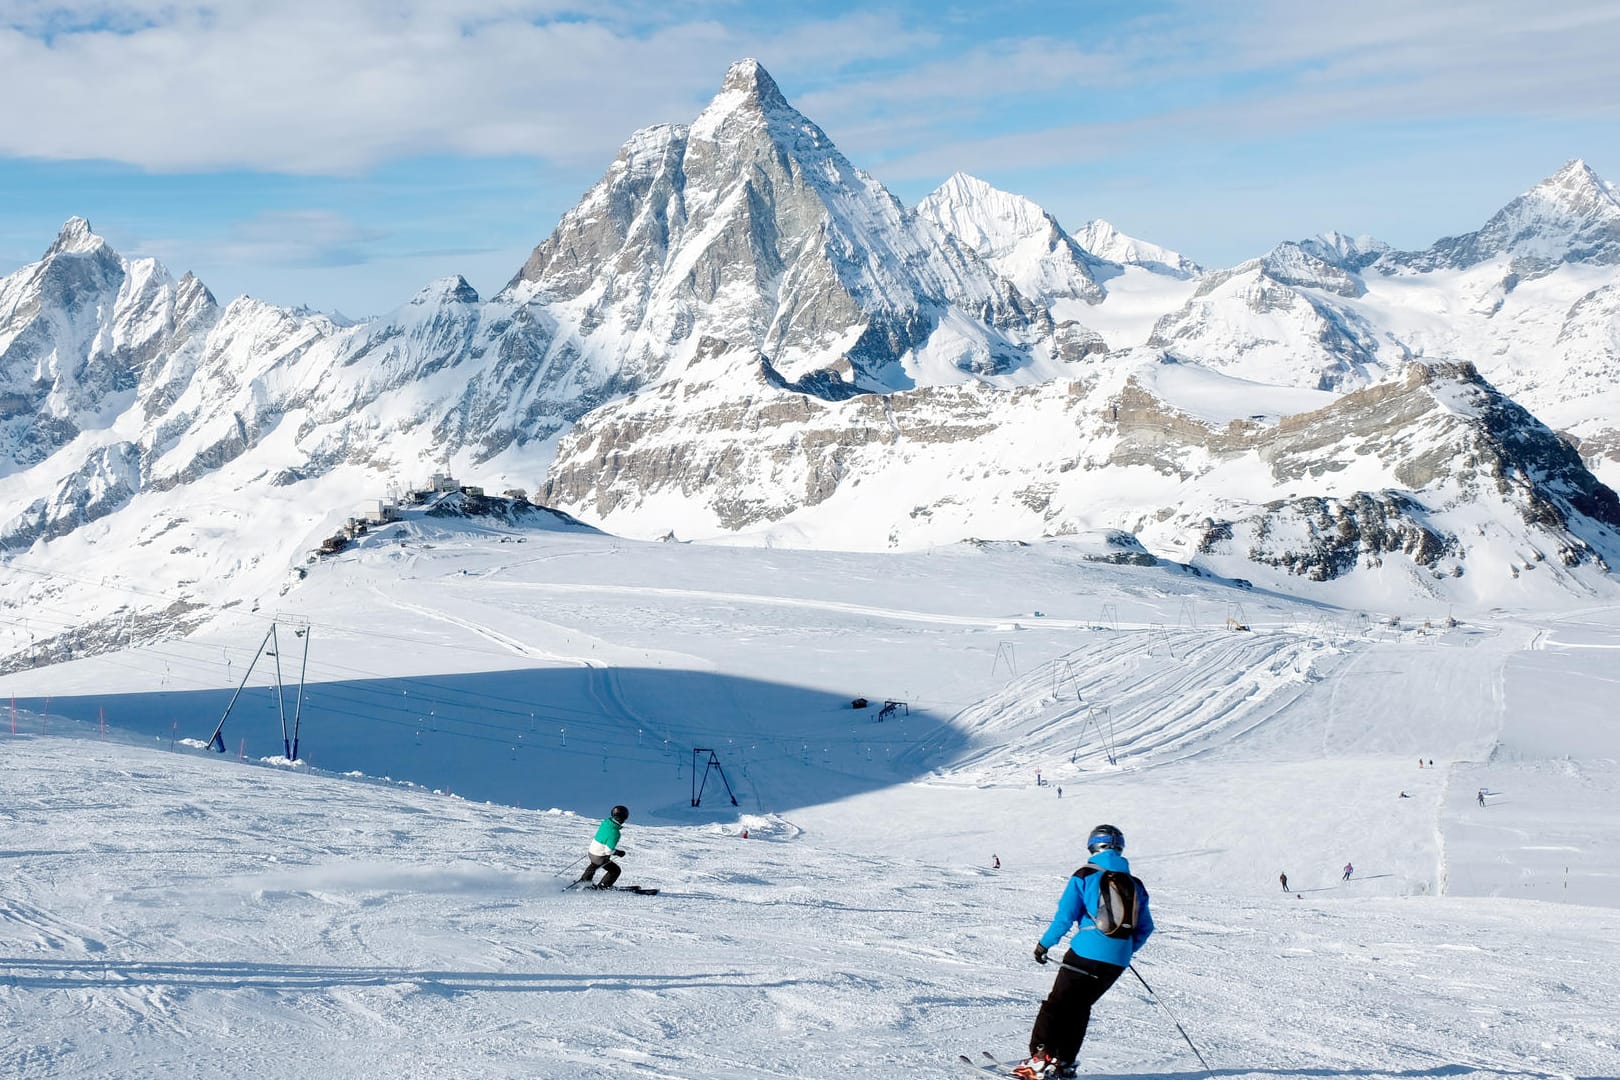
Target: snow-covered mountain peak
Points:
x,y
1572,216
1349,252
76,237
748,92
1106,242
452,289
987,219
1576,187
749,79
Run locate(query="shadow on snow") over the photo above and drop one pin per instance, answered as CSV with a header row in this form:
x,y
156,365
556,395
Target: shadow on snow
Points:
x,y
574,738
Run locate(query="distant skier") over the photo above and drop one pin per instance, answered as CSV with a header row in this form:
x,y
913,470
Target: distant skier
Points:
x,y
604,846
1060,793
1111,910
1481,796
1348,870
1404,795
995,862
1284,879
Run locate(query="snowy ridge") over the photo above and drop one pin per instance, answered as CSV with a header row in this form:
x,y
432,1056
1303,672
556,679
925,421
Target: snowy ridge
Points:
x,y
735,303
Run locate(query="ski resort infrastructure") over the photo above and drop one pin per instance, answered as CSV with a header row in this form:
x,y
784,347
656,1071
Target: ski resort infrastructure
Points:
x,y
478,694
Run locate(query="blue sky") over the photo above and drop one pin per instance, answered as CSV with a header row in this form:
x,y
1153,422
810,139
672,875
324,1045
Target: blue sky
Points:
x,y
343,155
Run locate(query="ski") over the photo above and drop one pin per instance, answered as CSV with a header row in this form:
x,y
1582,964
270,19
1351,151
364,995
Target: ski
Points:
x,y
992,1066
641,890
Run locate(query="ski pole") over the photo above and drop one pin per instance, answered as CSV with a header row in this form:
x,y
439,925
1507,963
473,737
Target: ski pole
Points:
x,y
570,866
1172,1017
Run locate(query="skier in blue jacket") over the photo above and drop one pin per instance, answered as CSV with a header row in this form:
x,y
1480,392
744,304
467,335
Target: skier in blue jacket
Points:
x,y
1094,959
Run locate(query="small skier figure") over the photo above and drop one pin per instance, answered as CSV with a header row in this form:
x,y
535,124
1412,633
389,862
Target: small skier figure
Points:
x,y
1404,795
604,846
1284,879
995,862
1060,793
1348,870
1091,964
1481,796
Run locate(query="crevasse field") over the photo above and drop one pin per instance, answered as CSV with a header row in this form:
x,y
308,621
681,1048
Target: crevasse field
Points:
x,y
392,904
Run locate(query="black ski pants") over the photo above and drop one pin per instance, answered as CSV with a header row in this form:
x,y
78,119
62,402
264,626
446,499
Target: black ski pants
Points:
x,y
598,862
1060,1026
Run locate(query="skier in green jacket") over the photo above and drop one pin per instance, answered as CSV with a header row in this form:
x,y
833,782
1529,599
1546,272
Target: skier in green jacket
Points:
x,y
604,846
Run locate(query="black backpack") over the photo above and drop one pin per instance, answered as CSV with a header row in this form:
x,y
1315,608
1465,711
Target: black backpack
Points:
x,y
1118,898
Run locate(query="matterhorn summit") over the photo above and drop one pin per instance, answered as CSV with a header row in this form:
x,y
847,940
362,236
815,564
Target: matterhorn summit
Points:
x,y
749,227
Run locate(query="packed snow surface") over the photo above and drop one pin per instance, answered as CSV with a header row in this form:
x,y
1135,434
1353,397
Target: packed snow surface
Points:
x,y
393,904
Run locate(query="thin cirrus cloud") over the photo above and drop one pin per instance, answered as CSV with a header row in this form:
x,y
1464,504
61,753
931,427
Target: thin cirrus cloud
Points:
x,y
300,238
1211,73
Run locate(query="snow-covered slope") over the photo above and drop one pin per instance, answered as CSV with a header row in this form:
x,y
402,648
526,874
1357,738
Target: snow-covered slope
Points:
x,y
170,912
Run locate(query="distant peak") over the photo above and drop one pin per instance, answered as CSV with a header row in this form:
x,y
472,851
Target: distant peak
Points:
x,y
1575,181
452,289
76,236
961,181
749,79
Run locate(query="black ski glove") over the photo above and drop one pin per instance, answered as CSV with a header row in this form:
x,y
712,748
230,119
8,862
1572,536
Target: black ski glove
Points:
x,y
1040,954
619,853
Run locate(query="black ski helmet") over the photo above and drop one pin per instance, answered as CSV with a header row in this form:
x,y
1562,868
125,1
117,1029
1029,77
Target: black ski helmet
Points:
x,y
1105,836
621,814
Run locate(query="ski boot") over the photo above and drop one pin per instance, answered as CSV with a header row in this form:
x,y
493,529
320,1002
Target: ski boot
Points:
x,y
1038,1066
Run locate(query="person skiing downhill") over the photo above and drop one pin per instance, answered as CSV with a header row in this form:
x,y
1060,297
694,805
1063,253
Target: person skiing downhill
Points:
x,y
1348,870
604,846
1284,879
1091,964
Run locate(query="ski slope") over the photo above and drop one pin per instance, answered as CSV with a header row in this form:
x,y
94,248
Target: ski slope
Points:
x,y
393,904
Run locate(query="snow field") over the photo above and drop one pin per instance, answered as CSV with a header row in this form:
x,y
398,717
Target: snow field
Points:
x,y
178,914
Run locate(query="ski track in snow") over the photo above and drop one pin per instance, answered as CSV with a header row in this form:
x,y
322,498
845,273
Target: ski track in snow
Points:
x,y
177,914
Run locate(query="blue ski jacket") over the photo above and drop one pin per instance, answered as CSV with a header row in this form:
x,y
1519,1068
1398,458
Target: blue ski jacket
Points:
x,y
1080,899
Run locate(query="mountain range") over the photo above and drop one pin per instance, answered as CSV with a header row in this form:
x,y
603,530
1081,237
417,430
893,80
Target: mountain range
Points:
x,y
737,333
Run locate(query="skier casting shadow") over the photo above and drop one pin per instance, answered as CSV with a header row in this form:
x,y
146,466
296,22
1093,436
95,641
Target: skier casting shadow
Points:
x,y
604,846
1111,909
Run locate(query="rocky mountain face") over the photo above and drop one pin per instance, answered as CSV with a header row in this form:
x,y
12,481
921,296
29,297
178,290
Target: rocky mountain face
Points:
x,y
749,226
1572,216
1436,466
738,331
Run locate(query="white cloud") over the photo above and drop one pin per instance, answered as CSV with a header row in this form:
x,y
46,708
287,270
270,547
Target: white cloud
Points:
x,y
305,87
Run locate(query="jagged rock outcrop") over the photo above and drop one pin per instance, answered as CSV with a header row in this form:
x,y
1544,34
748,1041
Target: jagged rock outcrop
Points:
x,y
1410,466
